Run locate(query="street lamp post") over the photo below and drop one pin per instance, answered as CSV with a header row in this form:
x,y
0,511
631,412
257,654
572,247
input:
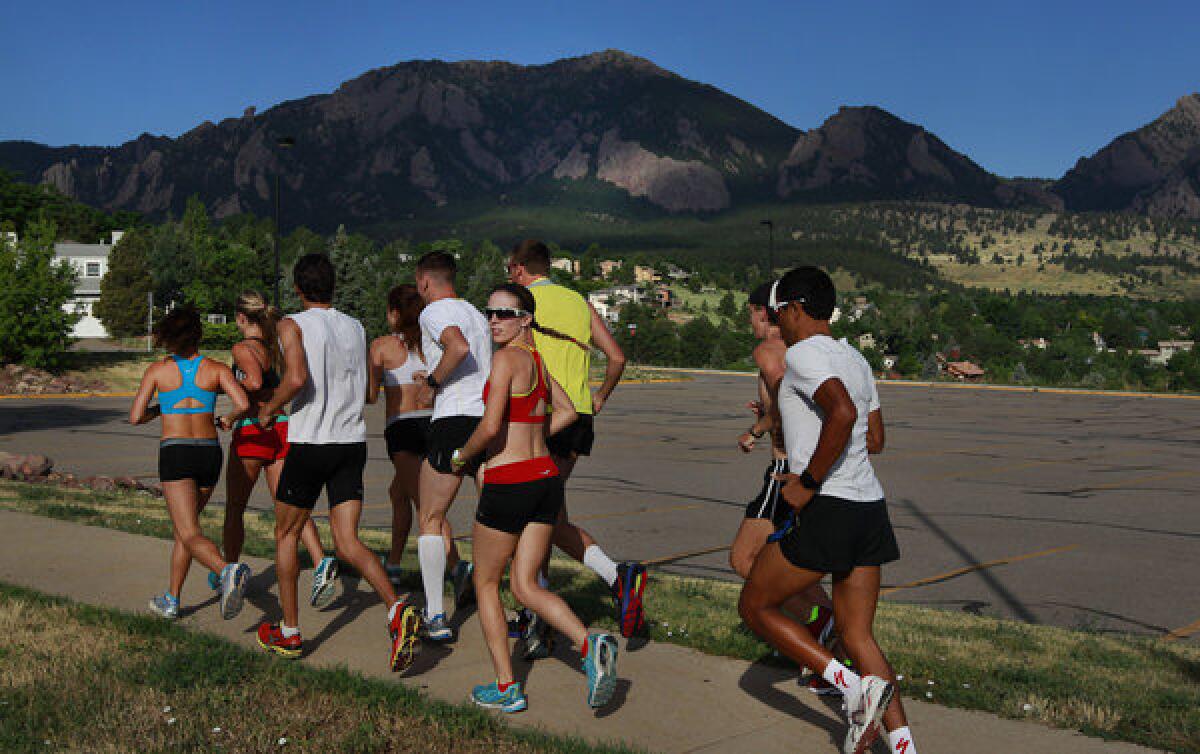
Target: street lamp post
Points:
x,y
283,142
770,246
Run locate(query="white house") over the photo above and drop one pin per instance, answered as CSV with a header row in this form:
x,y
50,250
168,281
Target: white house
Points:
x,y
566,264
90,261
608,301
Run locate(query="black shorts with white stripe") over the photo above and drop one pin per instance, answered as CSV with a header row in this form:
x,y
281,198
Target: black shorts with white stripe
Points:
x,y
770,504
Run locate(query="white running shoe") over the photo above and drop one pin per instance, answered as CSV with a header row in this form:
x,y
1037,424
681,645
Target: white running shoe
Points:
x,y
865,713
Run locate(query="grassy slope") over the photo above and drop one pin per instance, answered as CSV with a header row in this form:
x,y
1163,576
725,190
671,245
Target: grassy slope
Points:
x,y
1128,688
138,683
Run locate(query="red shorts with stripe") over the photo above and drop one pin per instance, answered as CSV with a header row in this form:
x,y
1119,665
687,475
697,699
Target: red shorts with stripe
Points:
x,y
253,441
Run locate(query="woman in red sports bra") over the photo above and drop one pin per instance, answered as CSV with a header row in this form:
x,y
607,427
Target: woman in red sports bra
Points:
x,y
521,498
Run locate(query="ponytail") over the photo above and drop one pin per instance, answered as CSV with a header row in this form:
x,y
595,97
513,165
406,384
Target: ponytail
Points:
x,y
254,307
529,304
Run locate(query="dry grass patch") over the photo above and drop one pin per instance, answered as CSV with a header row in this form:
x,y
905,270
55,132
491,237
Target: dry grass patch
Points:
x,y
102,681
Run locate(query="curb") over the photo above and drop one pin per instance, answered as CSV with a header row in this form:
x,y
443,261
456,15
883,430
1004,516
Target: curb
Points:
x,y
62,396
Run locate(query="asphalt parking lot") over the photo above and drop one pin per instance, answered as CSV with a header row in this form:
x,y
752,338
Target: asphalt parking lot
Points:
x,y
1079,510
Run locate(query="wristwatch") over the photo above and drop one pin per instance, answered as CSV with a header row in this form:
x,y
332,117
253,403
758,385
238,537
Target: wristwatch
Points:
x,y
431,381
808,481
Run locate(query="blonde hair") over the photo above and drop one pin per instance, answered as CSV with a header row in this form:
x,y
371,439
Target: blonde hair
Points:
x,y
254,307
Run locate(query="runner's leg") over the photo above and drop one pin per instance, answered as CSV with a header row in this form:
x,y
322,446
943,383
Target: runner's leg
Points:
x,y
532,546
310,537
403,493
289,523
343,520
773,580
241,474
184,502
855,598
436,493
492,550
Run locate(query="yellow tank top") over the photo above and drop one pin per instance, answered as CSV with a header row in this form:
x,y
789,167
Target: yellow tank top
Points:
x,y
565,310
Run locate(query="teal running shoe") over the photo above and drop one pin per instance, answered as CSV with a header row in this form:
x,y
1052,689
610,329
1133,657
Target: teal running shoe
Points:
x,y
601,668
166,605
214,580
233,586
436,628
490,696
324,584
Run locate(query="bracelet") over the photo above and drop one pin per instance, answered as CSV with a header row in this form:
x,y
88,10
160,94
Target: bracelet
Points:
x,y
808,481
431,381
456,459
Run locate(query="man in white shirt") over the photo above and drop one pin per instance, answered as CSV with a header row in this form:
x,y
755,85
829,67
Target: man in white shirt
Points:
x,y
831,421
325,353
458,352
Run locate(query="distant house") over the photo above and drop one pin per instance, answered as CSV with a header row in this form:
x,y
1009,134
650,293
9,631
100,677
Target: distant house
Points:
x,y
90,261
608,301
608,266
1168,348
664,297
889,361
646,274
9,237
1153,355
566,264
1098,342
866,340
965,370
1039,343
678,274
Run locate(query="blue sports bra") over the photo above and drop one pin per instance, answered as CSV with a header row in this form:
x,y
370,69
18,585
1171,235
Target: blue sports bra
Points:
x,y
170,399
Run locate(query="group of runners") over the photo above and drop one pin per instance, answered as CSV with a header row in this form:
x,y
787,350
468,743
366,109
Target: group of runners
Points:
x,y
504,396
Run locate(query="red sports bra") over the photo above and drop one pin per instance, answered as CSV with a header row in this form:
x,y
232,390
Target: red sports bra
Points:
x,y
521,407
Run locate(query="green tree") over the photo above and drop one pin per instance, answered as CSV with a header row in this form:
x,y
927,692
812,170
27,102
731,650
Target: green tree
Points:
x,y
124,289
34,327
728,306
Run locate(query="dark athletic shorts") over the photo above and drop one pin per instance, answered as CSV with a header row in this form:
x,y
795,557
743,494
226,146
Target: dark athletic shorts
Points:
x,y
576,438
832,535
338,468
447,435
408,436
770,504
197,459
510,507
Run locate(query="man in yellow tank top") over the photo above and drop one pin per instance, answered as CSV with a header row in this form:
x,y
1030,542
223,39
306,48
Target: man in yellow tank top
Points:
x,y
569,363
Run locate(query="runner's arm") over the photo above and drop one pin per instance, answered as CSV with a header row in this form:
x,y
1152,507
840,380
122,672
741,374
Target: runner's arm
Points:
x,y
294,376
765,421
493,413
836,426
248,363
615,365
564,411
237,395
374,371
875,434
141,412
455,350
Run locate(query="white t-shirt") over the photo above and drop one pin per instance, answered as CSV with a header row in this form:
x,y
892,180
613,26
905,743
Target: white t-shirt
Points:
x,y
329,408
809,364
460,394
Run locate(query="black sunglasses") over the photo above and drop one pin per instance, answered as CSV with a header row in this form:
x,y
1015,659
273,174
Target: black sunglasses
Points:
x,y
504,312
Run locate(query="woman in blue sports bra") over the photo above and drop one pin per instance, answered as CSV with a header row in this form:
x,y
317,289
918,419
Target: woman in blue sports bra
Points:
x,y
189,454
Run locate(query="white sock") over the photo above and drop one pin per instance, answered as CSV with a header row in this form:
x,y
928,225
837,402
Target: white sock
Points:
x,y
392,610
543,582
900,741
844,678
289,631
605,568
431,552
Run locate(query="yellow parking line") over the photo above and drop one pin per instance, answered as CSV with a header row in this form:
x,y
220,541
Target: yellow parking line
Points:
x,y
975,567
1183,632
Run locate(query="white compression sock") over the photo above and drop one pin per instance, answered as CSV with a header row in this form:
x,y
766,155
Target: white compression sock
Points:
x,y
844,678
605,568
900,741
431,552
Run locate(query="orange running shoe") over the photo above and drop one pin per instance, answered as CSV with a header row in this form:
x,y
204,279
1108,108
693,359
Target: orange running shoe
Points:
x,y
271,638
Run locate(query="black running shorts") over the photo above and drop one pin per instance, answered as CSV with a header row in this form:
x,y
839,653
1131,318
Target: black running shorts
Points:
x,y
510,507
832,535
408,436
770,504
183,458
447,435
337,468
574,439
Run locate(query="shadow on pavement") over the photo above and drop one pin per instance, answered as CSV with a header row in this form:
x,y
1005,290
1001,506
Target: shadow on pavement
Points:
x,y
44,416
761,681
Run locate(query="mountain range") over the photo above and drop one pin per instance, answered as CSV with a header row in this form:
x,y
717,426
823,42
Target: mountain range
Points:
x,y
606,132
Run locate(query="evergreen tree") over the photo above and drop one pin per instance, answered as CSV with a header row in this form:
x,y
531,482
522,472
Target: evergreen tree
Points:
x,y
126,285
34,327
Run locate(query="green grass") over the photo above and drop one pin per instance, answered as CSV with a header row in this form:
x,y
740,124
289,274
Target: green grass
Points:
x,y
1120,687
93,679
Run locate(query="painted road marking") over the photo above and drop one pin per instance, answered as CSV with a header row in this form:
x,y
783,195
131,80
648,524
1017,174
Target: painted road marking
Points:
x,y
1183,632
937,579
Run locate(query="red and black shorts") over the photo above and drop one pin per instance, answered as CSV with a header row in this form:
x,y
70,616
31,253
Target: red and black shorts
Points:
x,y
262,443
518,494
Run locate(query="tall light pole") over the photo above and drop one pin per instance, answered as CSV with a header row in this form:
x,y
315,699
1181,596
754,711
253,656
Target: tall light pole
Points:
x,y
283,142
770,247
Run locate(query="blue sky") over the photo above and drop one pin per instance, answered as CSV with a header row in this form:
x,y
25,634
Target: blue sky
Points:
x,y
1023,88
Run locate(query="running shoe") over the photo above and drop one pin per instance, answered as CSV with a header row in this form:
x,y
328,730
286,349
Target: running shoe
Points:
x,y
437,629
539,639
214,580
819,686
518,625
324,585
866,713
490,696
233,585
166,605
271,638
464,585
627,591
403,628
394,572
600,664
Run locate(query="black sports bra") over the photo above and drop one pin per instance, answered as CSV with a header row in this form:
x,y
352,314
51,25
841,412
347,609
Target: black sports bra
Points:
x,y
270,378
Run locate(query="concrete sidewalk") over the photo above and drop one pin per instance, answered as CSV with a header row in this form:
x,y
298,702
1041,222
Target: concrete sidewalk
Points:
x,y
670,699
